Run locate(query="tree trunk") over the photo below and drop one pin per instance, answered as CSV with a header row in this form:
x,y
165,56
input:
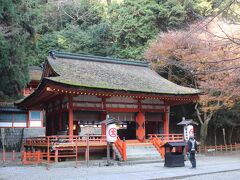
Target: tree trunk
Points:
x,y
230,135
203,132
224,136
215,136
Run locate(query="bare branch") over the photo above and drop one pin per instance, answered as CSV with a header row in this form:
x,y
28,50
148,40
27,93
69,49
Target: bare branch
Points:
x,y
198,113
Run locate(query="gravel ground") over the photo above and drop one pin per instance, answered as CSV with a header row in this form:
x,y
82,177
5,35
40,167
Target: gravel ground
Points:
x,y
231,175
205,165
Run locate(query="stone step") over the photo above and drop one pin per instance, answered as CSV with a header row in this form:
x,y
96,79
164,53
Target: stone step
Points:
x,y
142,153
145,156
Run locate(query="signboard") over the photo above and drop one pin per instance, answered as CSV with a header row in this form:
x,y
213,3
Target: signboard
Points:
x,y
188,130
90,129
111,133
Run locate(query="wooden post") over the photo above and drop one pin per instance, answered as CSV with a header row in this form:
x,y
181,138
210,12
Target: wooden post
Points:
x,y
124,150
56,155
103,126
48,150
4,155
166,122
13,155
140,126
38,157
113,155
108,153
24,157
70,117
87,151
76,149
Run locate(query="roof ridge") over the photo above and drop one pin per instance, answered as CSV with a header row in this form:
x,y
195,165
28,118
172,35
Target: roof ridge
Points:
x,y
75,56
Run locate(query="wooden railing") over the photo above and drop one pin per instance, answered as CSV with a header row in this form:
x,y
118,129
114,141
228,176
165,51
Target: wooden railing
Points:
x,y
168,137
31,157
158,140
54,140
121,146
219,148
158,143
59,143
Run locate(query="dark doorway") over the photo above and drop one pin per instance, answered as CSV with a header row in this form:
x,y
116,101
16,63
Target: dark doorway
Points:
x,y
153,123
129,132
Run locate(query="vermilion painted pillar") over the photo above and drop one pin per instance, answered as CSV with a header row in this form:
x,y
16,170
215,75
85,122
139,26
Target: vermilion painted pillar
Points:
x,y
70,117
140,126
103,116
103,127
166,122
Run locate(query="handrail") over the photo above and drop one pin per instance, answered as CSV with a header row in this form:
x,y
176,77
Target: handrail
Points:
x,y
158,140
52,140
158,143
121,146
167,137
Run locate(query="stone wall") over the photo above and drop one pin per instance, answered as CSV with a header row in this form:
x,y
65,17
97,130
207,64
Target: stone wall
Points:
x,y
11,138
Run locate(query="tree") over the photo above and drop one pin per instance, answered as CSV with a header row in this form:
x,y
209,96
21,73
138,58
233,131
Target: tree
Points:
x,y
228,118
13,66
210,54
135,23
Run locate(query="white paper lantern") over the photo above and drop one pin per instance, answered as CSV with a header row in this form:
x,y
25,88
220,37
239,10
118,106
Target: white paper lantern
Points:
x,y
188,130
111,133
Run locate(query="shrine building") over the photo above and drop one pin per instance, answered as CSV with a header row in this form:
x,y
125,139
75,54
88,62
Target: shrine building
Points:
x,y
78,91
76,94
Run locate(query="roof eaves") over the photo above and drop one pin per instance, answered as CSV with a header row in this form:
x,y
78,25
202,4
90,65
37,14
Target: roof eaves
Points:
x,y
21,102
49,79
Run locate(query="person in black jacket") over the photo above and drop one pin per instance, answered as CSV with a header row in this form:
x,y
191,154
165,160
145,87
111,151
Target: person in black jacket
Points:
x,y
192,148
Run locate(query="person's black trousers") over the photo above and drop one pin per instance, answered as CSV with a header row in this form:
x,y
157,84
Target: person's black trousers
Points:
x,y
192,159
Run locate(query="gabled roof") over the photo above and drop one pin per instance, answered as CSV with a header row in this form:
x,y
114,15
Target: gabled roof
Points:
x,y
65,73
112,74
35,73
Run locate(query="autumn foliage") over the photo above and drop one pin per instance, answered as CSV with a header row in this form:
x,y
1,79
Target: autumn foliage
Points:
x,y
210,52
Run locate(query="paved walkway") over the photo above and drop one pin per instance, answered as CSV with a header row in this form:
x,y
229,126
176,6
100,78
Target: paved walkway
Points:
x,y
206,166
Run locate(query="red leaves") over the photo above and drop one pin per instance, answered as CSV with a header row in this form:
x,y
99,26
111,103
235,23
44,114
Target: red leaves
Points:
x,y
211,53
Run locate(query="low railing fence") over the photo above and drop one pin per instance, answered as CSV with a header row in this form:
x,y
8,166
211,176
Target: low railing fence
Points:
x,y
53,140
58,147
219,148
167,137
8,155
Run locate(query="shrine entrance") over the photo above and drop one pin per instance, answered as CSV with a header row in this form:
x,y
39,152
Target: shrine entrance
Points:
x,y
154,123
128,132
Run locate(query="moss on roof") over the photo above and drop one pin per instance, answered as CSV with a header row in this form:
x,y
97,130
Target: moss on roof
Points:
x,y
112,74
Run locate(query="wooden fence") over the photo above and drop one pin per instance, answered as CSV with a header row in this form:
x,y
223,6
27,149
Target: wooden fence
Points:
x,y
219,148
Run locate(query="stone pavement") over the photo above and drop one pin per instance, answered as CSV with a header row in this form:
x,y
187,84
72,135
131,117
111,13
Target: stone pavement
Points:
x,y
208,165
